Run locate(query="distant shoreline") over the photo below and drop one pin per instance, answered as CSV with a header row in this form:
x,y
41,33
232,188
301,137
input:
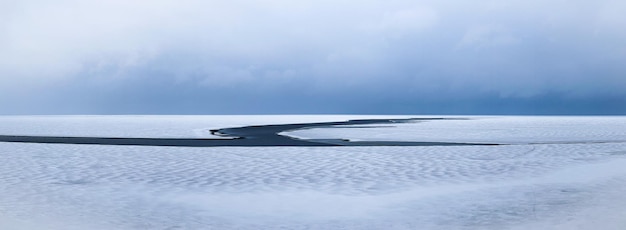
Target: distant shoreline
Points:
x,y
247,136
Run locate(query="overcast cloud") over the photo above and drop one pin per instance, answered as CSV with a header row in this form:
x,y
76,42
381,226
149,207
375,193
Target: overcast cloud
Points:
x,y
283,56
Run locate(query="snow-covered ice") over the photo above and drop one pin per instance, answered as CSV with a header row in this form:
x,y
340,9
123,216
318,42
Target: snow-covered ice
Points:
x,y
556,185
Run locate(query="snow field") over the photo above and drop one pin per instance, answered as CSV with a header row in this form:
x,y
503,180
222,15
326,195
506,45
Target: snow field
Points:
x,y
462,187
569,181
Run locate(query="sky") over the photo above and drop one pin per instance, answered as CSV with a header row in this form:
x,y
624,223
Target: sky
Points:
x,y
313,57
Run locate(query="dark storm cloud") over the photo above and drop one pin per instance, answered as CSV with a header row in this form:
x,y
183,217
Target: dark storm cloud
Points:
x,y
191,57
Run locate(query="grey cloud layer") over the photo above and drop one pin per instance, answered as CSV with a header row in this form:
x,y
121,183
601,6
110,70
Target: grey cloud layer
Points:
x,y
313,56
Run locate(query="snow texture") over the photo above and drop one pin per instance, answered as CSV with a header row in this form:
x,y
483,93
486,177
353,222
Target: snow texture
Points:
x,y
520,186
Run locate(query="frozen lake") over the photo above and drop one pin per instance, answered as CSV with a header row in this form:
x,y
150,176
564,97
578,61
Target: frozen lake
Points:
x,y
551,173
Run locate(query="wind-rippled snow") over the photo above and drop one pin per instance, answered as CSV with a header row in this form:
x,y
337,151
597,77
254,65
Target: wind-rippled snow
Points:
x,y
522,186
